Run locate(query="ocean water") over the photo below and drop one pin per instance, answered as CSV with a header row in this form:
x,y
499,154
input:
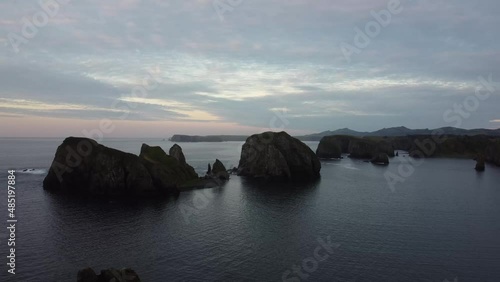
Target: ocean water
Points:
x,y
441,224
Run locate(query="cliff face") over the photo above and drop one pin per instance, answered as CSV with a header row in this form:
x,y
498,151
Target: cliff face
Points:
x,y
360,148
278,156
417,145
450,146
492,153
219,170
167,172
329,147
82,166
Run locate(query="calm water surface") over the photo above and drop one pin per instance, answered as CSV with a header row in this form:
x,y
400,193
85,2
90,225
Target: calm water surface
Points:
x,y
442,223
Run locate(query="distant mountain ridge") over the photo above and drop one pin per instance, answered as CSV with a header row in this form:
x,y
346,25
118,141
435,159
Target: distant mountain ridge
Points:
x,y
389,132
401,131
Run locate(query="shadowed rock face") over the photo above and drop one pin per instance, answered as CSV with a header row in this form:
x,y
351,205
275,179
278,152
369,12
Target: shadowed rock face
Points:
x,y
480,163
278,156
176,152
381,158
330,147
82,166
493,153
386,147
362,149
359,148
166,171
219,170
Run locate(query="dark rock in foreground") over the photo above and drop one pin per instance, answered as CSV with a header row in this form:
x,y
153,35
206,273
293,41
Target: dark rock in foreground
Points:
x,y
108,275
82,166
278,156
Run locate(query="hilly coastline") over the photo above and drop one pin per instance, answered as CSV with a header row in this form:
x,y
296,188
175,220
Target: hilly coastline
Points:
x,y
389,132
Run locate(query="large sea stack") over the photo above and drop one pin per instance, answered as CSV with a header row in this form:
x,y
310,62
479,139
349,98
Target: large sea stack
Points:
x,y
274,155
82,166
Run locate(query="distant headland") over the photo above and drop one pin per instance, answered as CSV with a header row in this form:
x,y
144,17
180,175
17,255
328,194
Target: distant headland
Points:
x,y
389,132
209,138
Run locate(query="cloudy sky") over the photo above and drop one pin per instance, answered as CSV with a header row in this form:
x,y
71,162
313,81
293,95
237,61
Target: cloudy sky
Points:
x,y
156,67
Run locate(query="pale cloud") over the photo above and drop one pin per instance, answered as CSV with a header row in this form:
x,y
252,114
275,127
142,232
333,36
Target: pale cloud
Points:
x,y
187,111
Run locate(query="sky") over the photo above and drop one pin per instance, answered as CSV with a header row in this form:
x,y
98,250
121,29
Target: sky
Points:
x,y
139,68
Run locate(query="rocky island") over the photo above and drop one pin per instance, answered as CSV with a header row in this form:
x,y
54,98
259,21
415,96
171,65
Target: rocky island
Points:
x,y
272,155
82,166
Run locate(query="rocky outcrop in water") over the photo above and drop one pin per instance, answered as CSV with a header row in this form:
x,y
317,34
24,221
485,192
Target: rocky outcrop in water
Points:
x,y
176,152
82,166
480,163
108,275
274,155
381,158
219,170
167,172
358,148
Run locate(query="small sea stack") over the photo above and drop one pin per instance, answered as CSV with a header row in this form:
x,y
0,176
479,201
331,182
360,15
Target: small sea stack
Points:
x,y
480,163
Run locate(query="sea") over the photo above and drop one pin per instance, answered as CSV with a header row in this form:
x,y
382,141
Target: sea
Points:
x,y
438,221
